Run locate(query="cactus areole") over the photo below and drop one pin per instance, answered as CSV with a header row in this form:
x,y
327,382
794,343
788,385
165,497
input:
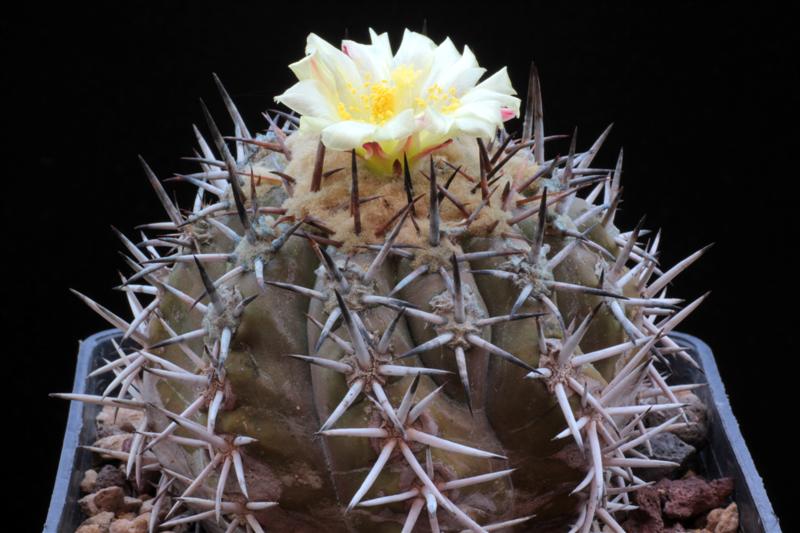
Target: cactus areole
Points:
x,y
384,312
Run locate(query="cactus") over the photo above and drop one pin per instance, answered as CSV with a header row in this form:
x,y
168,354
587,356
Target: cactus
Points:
x,y
365,318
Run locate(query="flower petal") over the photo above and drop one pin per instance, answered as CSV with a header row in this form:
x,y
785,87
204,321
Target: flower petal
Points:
x,y
488,111
498,82
496,87
347,134
311,124
436,123
369,60
382,45
399,127
416,51
477,96
309,97
461,75
444,57
508,113
302,68
480,119
475,127
333,63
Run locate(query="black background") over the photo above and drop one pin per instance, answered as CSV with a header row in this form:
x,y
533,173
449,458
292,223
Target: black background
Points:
x,y
701,97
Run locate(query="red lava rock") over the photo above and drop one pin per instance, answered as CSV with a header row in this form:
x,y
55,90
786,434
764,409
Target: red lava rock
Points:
x,y
685,498
667,503
647,518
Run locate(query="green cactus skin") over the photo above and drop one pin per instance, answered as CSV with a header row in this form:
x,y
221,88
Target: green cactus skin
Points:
x,y
238,375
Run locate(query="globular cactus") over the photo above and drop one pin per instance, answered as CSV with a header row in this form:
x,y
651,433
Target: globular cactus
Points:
x,y
390,307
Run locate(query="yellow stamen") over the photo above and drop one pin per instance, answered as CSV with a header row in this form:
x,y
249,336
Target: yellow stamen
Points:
x,y
343,112
381,102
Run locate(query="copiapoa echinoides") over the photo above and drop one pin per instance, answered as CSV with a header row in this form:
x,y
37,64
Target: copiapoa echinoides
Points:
x,y
385,306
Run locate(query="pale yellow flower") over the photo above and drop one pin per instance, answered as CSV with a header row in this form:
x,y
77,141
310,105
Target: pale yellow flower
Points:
x,y
385,104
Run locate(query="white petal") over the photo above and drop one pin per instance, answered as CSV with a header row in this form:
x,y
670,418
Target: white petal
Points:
x,y
486,110
416,51
468,58
399,127
478,119
496,87
369,60
479,94
466,79
462,75
475,127
444,57
313,124
347,134
436,123
309,97
302,69
498,82
333,63
382,45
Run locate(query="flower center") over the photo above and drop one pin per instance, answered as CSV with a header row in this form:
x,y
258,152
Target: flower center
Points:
x,y
381,102
378,102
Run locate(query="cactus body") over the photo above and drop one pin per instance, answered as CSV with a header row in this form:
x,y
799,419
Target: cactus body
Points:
x,y
458,340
